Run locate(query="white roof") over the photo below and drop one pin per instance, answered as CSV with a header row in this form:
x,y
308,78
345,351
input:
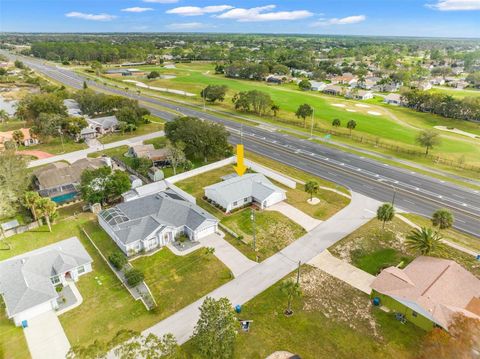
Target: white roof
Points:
x,y
249,185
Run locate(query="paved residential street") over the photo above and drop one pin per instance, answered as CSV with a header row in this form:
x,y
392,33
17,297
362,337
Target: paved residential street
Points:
x,y
77,155
265,274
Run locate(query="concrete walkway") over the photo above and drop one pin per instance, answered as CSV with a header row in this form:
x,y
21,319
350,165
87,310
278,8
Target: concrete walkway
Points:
x,y
77,155
344,271
228,254
263,275
46,338
299,217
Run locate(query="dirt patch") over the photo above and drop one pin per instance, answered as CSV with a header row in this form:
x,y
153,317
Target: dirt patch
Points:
x,y
337,300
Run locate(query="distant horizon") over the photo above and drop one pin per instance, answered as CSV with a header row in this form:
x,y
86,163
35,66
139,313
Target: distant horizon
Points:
x,y
230,33
394,18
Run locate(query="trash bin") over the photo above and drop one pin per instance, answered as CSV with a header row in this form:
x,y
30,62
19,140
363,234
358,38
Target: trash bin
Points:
x,y
238,308
376,301
24,324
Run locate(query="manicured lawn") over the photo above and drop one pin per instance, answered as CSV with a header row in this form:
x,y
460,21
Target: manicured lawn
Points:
x,y
159,142
176,281
330,320
108,307
141,130
12,340
55,147
111,152
371,248
240,222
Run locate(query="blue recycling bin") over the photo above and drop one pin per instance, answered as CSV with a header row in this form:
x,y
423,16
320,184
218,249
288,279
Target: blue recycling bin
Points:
x,y
478,257
238,308
376,301
24,324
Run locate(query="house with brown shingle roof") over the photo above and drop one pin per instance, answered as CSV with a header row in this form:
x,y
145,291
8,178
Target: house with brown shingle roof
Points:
x,y
429,291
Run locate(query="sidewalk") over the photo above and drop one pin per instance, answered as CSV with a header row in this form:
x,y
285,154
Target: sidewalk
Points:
x,y
308,223
344,271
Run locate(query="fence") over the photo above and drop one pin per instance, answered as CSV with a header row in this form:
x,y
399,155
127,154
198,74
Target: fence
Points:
x,y
129,169
270,173
200,170
21,229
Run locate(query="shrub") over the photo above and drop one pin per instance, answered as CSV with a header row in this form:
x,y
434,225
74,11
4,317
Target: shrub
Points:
x,y
118,260
134,277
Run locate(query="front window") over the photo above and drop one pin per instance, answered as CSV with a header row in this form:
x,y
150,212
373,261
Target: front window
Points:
x,y
55,280
81,270
235,203
414,313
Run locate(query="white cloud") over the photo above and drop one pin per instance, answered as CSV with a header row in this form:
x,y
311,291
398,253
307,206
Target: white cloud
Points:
x,y
355,19
94,17
162,1
137,9
197,11
188,26
455,5
263,13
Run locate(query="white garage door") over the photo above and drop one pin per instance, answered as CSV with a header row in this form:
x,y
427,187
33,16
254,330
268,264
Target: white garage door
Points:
x,y
206,231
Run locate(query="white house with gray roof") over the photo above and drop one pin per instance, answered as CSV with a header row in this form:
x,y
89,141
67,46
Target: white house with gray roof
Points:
x,y
153,221
239,191
28,281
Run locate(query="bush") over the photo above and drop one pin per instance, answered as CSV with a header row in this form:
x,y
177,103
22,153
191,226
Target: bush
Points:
x,y
134,277
118,260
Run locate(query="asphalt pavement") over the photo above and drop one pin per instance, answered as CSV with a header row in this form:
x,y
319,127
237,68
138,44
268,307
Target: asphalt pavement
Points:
x,y
411,191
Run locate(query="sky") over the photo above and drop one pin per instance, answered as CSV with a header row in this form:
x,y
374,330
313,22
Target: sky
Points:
x,y
423,18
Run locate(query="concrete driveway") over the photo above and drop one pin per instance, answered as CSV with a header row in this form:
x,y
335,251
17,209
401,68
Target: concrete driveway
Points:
x,y
299,217
344,271
46,338
228,254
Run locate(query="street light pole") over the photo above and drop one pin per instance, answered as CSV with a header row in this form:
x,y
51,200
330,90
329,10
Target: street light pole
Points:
x,y
394,194
311,127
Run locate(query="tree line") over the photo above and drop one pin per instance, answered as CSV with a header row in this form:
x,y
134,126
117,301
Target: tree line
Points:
x,y
444,105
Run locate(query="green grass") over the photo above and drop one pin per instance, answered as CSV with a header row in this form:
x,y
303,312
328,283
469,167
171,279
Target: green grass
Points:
x,y
141,130
371,248
456,92
159,142
54,146
11,125
12,341
311,334
240,222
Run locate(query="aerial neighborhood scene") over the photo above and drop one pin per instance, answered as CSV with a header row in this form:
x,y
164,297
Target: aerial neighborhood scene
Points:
x,y
246,179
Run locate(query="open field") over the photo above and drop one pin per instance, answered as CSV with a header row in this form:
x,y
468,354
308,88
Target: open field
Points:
x,y
323,324
395,125
459,93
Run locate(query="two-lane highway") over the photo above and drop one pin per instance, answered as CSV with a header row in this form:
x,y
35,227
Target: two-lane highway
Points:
x,y
413,192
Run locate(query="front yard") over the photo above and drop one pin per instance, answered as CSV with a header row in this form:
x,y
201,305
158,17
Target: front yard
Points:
x,y
141,130
330,320
372,249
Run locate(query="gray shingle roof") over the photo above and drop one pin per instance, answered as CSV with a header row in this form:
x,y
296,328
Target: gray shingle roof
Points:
x,y
25,279
143,216
249,185
106,123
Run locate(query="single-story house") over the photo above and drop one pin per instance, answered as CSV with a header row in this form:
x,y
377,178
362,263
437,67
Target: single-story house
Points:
x,y
87,133
318,85
103,124
333,90
345,79
73,107
359,94
158,156
429,291
239,191
422,85
28,139
117,72
153,221
60,180
28,282
393,99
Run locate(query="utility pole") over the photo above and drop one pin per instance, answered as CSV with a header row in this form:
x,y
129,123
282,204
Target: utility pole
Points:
x,y
298,272
311,127
252,217
394,194
61,138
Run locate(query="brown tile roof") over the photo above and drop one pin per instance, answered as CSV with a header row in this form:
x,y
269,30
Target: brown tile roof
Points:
x,y
439,288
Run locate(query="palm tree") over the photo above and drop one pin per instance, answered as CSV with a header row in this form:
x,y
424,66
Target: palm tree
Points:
x,y
424,240
30,200
351,125
336,122
442,218
291,289
385,213
46,208
311,187
4,116
275,108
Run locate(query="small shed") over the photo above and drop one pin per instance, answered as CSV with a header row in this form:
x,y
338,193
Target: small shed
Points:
x,y
155,174
135,181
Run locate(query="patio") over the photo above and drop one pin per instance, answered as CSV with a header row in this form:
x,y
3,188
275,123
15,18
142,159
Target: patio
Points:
x,y
69,298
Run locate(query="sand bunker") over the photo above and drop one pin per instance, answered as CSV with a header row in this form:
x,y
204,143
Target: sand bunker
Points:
x,y
361,105
350,110
374,113
338,105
